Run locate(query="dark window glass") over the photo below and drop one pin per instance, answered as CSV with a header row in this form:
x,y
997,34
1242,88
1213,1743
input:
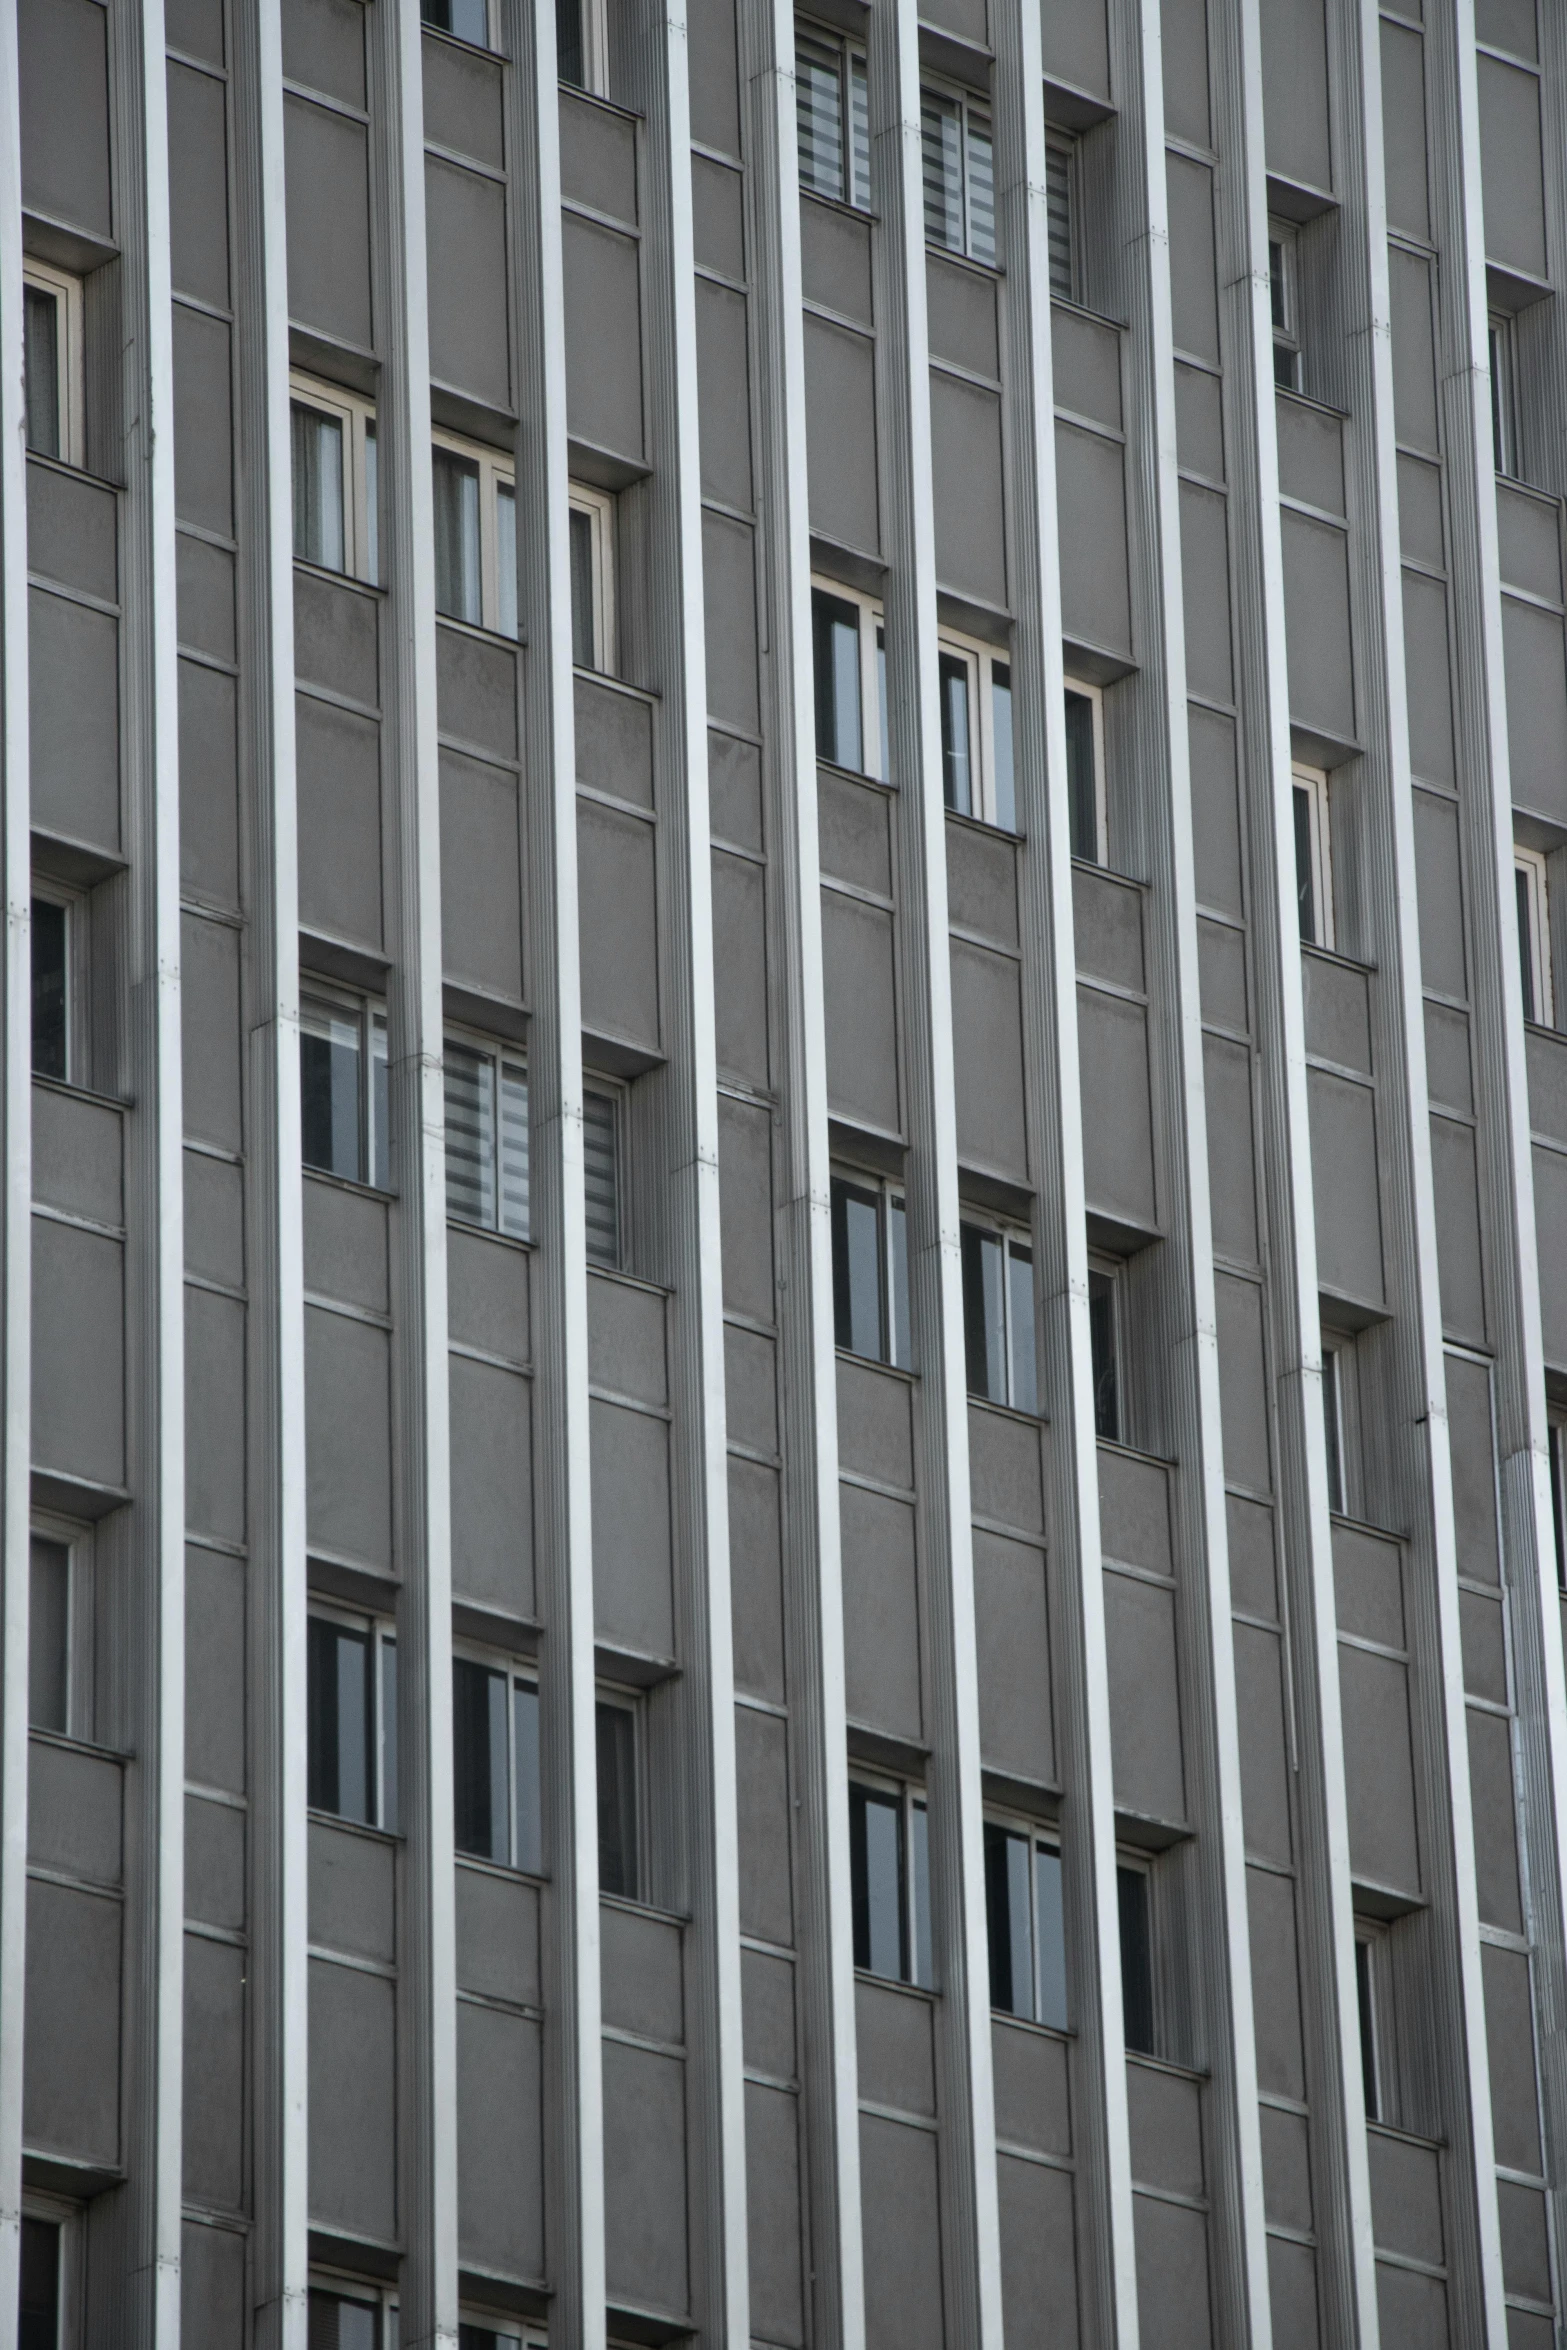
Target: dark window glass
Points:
x,y
984,1312
1558,1505
1102,1337
38,2302
41,369
1525,940
1286,367
1305,882
876,1863
456,484
331,1046
1131,1887
1082,782
835,629
51,1056
479,1760
318,488
527,1799
856,1269
584,632
1368,2041
472,2337
957,781
1001,729
919,1875
1330,1428
339,2324
341,1761
468,19
570,48
617,1798
601,1171
390,1810
48,1636
1277,295
1009,1908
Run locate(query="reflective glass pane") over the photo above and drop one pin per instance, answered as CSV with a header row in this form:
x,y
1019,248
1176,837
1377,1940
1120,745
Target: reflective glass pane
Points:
x,y
380,1106
38,2300
51,1030
919,1870
1020,1326
339,1702
1050,1932
984,1312
876,1872
1082,780
318,488
1008,1917
526,1798
1131,1887
818,70
1305,881
330,1041
981,187
372,508
601,1172
456,483
41,369
49,1636
836,628
942,132
1521,893
514,1148
506,560
479,1760
1001,731
856,1268
470,1135
617,1800
898,1283
1058,217
859,134
956,776
1102,1338
570,48
391,1810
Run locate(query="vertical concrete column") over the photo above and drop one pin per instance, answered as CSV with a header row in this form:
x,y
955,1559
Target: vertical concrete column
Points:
x,y
573,2056
1107,2280
1345,2273
275,1370
1174,1287
16,1060
813,1566
971,2248
426,2021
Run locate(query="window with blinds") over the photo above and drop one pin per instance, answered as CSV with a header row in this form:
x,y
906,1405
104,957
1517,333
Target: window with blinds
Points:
x,y
959,175
1059,191
486,1138
601,1170
833,118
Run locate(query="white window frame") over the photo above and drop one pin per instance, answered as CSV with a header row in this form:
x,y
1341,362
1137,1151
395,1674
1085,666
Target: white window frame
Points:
x,y
1335,1359
1531,865
969,105
1381,2059
1314,781
382,1632
71,2221
1502,355
76,907
595,50
1113,1270
495,474
850,54
501,2321
489,43
495,1660
1094,695
873,749
599,507
1283,238
631,1701
69,355
1011,1236
1061,165
890,1193
912,1797
1040,1837
356,415
499,1054
368,1010
980,660
80,1621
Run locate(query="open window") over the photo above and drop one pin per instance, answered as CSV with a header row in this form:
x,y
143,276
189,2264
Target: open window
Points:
x,y
351,1673
335,486
475,512
53,375
1313,856
343,1096
1085,771
50,2287
832,117
889,1875
486,1135
1061,216
592,579
975,686
496,1798
1502,340
850,669
619,1733
870,1268
60,995
1105,1305
582,45
1532,891
998,1314
60,1630
1024,1922
1135,1916
959,172
1284,298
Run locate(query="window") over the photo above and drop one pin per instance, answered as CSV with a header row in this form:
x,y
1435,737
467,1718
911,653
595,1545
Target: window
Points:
x,y
1104,1326
345,2320
1133,1903
41,2298
1085,769
495,1765
59,936
592,580
870,1270
1503,344
486,1137
1061,215
960,177
475,512
1556,1442
335,487
1023,1917
619,1797
49,1636
850,661
1369,1951
469,20
482,2335
832,119
352,1718
998,1315
1333,1427
580,44
1313,857
1534,935
889,1872
52,362
602,1119
975,691
1284,295
343,1087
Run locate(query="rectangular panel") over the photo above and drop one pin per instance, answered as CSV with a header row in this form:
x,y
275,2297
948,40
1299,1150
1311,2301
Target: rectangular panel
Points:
x,y
353,2101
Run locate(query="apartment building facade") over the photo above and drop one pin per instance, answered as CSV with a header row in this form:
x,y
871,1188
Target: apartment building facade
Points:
x,y
784,1279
